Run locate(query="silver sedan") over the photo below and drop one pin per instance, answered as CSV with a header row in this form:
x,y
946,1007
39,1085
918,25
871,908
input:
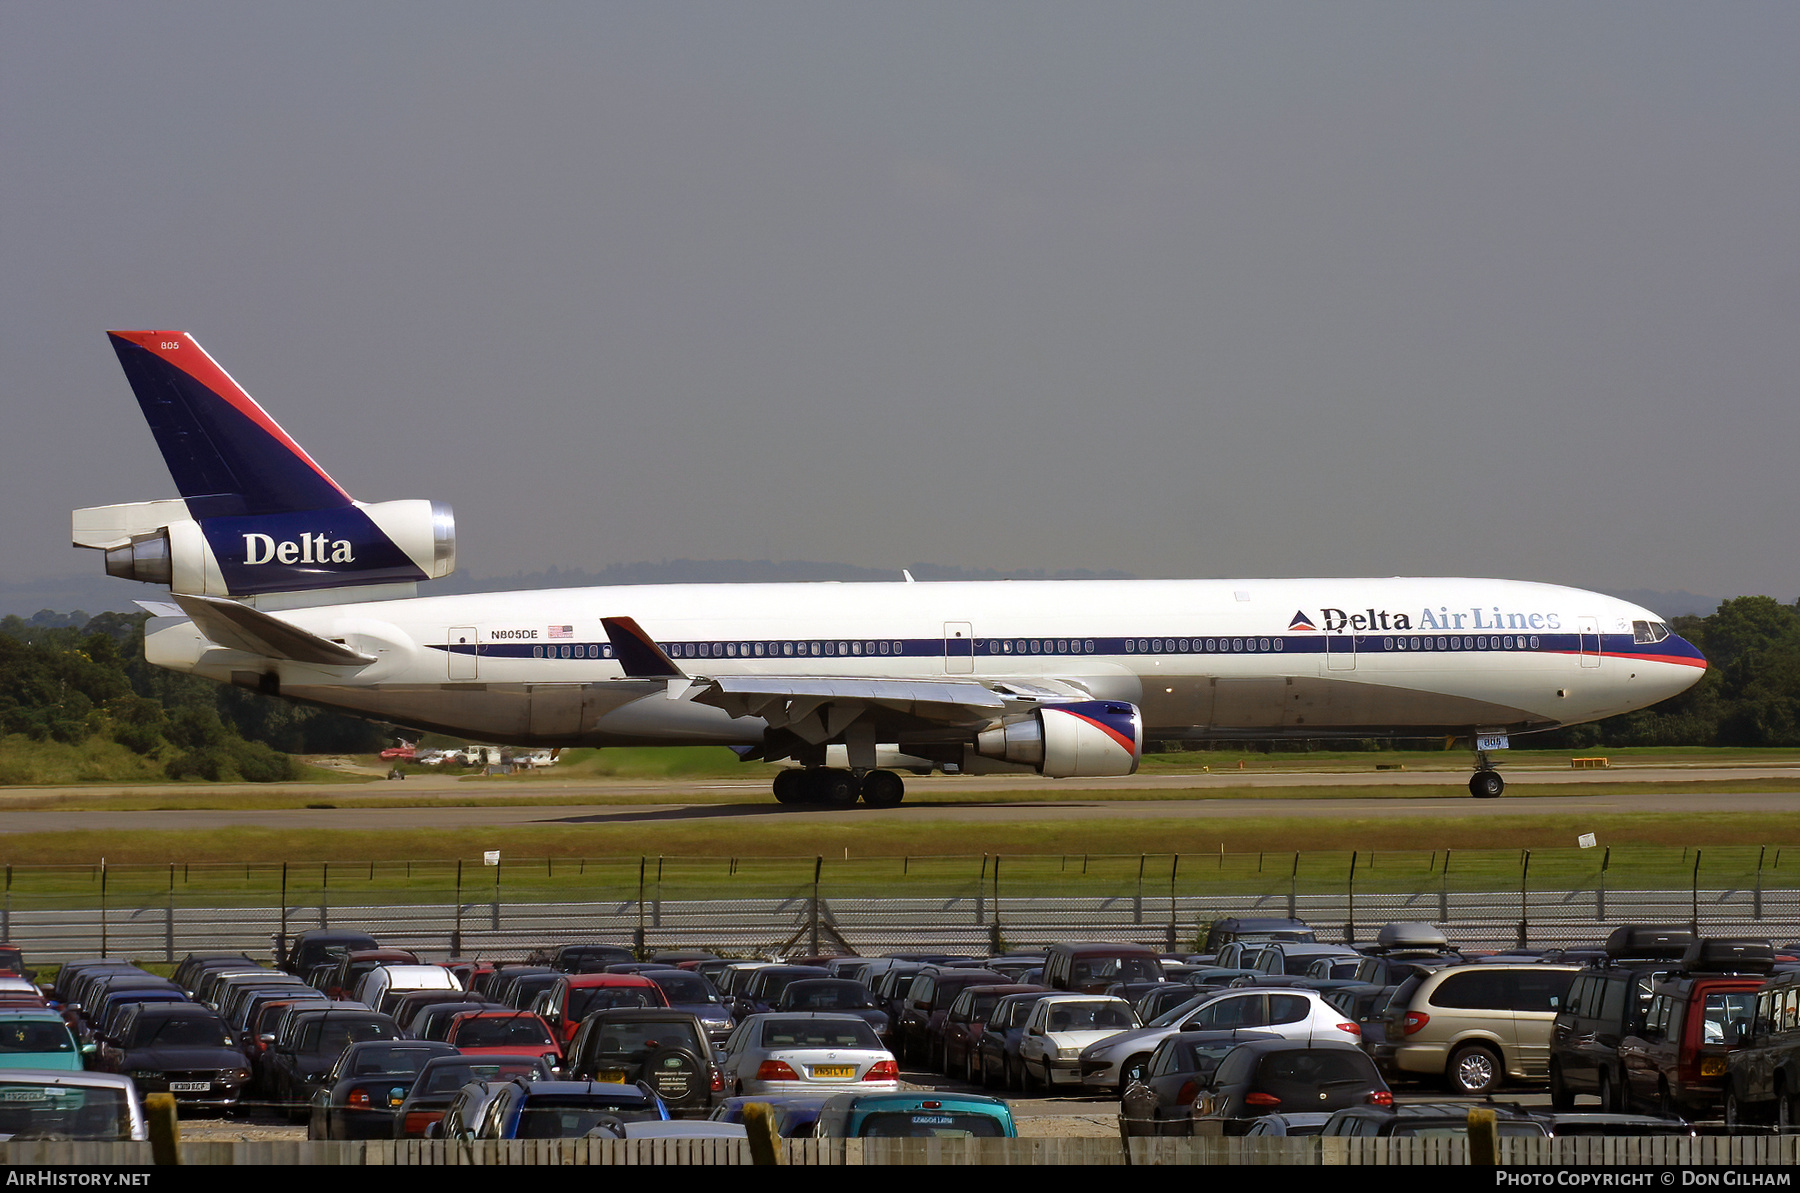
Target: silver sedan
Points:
x,y
801,1053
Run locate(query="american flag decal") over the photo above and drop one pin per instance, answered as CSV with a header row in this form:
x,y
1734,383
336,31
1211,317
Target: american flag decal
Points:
x,y
562,631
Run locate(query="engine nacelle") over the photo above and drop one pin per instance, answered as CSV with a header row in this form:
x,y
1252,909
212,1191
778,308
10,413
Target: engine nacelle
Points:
x,y
352,545
1091,739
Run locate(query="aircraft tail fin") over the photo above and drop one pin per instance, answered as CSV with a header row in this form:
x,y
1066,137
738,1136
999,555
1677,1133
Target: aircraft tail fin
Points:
x,y
228,457
257,517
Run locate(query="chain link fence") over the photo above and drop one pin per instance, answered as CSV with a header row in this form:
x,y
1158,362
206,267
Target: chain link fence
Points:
x,y
978,904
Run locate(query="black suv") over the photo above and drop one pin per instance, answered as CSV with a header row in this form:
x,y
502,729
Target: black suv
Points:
x,y
1606,1003
666,1049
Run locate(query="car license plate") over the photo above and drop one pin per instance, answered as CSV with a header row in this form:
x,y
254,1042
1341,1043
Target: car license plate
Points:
x,y
189,1087
612,1076
834,1072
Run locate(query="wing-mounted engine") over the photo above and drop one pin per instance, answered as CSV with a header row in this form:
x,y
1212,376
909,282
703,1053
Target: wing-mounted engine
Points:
x,y
1090,739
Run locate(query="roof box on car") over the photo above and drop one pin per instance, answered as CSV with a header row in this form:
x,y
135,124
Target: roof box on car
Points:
x,y
1648,942
1729,956
1410,937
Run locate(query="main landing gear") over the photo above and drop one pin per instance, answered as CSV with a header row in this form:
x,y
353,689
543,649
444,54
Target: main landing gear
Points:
x,y
829,786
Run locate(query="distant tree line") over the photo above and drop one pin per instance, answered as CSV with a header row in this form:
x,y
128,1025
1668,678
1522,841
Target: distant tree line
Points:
x,y
1749,696
69,677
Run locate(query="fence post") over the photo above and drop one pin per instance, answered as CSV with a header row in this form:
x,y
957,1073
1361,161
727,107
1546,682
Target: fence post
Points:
x,y
1692,891
1294,889
1137,900
494,912
1605,864
994,941
981,893
281,940
6,907
1350,909
1524,879
103,907
1444,891
324,893
169,919
813,912
1174,868
638,936
1756,894
456,919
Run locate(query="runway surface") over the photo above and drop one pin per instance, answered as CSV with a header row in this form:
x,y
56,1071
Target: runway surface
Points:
x,y
1547,793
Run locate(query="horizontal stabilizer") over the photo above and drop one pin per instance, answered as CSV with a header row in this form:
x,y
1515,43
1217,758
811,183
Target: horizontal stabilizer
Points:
x,y
240,627
637,652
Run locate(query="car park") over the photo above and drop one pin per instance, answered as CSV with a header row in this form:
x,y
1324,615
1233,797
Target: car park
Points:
x,y
528,1109
806,1052
366,1084
1114,1062
32,1038
917,1034
1675,1061
571,998
1475,1026
1427,1120
49,1104
665,1049
438,1082
1175,1072
504,1032
1278,1076
1090,967
915,1116
181,1049
1605,1004
1059,1028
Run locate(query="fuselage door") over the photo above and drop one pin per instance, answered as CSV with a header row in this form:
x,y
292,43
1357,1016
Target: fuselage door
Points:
x,y
959,648
1340,652
1590,641
464,661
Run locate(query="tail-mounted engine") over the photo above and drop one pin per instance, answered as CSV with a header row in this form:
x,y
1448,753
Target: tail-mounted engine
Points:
x,y
1092,739
351,545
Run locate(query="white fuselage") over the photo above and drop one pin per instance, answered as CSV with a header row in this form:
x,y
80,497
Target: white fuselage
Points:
x,y
1201,658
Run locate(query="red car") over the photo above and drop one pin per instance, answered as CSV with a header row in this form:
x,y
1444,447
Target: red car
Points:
x,y
575,997
504,1033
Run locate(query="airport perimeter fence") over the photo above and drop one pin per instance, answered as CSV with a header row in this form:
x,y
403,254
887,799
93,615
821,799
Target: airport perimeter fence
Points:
x,y
1481,899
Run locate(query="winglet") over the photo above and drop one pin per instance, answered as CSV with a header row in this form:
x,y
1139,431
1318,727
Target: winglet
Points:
x,y
637,652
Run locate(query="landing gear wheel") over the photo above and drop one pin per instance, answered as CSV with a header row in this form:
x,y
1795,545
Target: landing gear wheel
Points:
x,y
1486,784
836,787
883,789
790,787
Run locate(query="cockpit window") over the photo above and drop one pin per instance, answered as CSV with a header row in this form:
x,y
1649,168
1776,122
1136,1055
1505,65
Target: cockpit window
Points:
x,y
1643,632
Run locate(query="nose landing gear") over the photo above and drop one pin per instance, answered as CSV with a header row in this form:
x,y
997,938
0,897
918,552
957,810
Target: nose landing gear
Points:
x,y
1486,782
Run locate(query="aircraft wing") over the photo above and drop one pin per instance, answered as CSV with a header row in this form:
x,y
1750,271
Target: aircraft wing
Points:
x,y
818,708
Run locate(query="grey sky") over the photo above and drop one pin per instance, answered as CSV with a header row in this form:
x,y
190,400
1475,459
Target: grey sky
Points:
x,y
1179,289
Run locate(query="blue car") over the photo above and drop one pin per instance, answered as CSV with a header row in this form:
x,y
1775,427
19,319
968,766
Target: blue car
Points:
x,y
528,1109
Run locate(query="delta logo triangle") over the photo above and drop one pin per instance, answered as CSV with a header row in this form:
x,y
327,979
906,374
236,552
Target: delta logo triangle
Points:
x,y
1301,622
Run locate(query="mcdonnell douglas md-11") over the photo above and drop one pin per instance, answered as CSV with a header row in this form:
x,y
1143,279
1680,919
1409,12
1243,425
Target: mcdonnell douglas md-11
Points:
x,y
282,583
